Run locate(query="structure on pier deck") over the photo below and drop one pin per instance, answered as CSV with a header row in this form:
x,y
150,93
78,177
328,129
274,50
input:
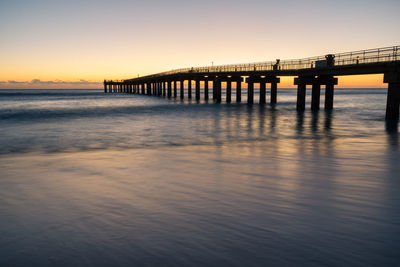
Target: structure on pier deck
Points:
x,y
315,71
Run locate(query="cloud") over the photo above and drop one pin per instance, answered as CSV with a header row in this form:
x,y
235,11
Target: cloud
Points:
x,y
81,81
37,83
14,82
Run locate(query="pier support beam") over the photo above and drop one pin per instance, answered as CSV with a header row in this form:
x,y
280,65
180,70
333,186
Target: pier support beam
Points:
x,y
189,88
329,93
301,97
197,89
228,91
164,92
217,90
175,90
315,96
274,92
214,91
206,90
239,91
182,89
250,92
169,89
393,95
262,93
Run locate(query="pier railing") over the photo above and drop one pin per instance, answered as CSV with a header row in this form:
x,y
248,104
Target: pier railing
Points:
x,y
386,54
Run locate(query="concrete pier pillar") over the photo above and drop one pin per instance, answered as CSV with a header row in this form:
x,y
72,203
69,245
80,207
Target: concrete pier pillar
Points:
x,y
329,92
393,95
214,91
262,92
189,88
238,91
274,92
175,90
250,92
169,89
197,89
182,89
217,89
228,91
301,97
105,87
164,92
206,90
393,101
315,96
143,88
149,88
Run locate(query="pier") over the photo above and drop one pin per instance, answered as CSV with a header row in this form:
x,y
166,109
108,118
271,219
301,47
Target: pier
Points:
x,y
315,72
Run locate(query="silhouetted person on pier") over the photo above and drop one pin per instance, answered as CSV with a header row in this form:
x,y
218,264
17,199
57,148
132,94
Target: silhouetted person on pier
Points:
x,y
277,65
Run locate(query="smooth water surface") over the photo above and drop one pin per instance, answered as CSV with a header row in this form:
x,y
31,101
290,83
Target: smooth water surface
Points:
x,y
94,179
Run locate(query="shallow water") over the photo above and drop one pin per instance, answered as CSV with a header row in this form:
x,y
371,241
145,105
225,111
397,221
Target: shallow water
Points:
x,y
96,179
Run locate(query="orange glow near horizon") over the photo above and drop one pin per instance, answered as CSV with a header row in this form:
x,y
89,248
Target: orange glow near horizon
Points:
x,y
356,81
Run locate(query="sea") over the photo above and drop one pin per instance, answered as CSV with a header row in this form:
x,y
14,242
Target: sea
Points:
x,y
95,179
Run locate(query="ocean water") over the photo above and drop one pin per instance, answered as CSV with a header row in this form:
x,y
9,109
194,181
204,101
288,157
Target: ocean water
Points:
x,y
94,179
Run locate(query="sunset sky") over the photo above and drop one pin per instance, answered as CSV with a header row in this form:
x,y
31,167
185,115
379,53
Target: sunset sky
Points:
x,y
78,44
